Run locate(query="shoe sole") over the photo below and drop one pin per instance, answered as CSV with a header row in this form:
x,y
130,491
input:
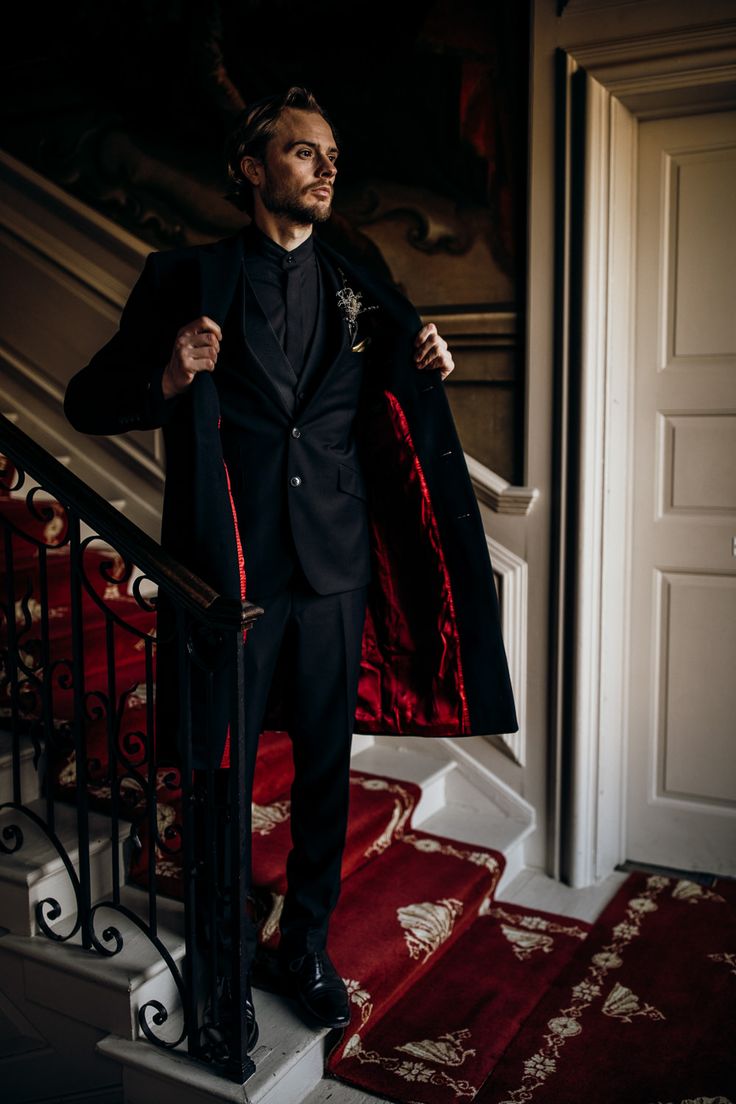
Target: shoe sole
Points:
x,y
318,1019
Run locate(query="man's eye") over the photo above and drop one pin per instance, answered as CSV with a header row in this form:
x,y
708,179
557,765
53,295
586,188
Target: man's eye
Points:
x,y
307,151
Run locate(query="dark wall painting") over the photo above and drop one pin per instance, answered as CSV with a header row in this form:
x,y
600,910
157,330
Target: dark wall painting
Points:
x,y
127,105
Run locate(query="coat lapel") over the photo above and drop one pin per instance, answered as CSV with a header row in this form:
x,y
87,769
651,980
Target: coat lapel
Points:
x,y
219,272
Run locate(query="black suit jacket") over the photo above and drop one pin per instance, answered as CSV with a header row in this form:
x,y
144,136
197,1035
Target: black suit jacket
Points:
x,y
294,466
434,663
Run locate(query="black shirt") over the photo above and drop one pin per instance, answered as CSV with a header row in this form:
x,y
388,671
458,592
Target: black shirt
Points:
x,y
268,264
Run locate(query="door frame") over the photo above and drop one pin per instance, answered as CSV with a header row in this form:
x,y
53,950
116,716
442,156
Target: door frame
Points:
x,y
603,91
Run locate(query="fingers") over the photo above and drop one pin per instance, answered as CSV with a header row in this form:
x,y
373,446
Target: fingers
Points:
x,y
424,340
201,325
197,347
431,351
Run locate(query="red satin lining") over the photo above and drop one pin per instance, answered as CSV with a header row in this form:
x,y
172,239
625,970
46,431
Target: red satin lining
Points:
x,y
411,679
225,761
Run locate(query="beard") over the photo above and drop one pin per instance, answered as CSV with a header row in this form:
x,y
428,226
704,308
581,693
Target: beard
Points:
x,y
294,204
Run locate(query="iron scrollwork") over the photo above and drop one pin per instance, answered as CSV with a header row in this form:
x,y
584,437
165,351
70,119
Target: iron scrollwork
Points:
x,y
80,634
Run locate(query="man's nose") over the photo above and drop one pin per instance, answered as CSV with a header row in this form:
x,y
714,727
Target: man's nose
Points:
x,y
327,168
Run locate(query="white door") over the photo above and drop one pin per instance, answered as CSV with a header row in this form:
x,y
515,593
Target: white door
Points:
x,y
681,794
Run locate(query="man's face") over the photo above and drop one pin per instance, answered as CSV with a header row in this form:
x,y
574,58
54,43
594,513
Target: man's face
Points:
x,y
297,176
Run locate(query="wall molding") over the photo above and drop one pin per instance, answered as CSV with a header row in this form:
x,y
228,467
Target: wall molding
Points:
x,y
671,72
495,491
512,583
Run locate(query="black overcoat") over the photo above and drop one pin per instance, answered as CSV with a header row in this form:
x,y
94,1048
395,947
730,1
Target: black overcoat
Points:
x,y
433,661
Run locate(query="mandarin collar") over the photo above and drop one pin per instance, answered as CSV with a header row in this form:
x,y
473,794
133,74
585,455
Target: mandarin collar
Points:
x,y
285,258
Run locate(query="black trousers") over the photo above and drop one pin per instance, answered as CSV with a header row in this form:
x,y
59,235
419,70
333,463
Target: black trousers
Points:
x,y
315,641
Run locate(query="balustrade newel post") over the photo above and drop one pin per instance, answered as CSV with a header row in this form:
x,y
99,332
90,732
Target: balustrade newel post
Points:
x,y
239,1065
78,727
12,663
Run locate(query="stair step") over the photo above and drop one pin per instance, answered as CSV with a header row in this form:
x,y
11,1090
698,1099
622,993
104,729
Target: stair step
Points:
x,y
105,991
329,1091
471,816
408,766
36,871
289,1060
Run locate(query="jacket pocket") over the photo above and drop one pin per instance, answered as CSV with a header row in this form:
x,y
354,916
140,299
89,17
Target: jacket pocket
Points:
x,y
351,481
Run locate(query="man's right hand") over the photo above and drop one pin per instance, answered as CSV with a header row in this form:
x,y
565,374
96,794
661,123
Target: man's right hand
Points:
x,y
195,350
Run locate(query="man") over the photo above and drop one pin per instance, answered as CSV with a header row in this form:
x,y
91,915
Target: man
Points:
x,y
294,473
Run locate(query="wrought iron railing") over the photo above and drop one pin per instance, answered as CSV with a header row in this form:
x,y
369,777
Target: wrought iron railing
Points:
x,y
79,639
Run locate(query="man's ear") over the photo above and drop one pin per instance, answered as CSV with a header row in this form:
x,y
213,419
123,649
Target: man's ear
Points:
x,y
252,169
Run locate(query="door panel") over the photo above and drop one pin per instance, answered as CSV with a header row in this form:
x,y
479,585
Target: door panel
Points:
x,y
682,656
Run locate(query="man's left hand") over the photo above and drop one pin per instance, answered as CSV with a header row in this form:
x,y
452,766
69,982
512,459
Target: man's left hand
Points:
x,y
430,351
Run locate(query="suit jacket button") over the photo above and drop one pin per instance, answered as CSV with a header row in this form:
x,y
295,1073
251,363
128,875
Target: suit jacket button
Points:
x,y
295,480
296,432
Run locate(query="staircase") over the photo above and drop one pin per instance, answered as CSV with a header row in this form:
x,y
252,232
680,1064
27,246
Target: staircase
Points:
x,y
81,1010
69,1016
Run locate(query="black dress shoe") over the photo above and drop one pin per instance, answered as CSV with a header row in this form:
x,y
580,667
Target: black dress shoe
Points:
x,y
319,987
227,1011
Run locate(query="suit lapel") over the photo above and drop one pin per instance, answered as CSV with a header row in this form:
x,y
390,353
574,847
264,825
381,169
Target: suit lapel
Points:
x,y
324,354
269,359
223,278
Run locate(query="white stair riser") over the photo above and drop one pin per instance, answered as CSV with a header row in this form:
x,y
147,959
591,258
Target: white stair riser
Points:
x,y
514,856
29,781
64,1052
431,801
300,1080
110,1009
141,1087
20,892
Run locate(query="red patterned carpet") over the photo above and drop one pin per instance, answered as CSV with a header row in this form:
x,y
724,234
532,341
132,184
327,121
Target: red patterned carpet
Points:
x,y
644,1014
456,996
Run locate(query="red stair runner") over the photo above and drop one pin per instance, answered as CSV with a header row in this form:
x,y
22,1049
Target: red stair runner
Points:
x,y
455,996
645,1012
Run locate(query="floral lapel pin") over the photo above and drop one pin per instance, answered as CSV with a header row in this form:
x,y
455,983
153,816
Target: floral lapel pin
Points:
x,y
351,306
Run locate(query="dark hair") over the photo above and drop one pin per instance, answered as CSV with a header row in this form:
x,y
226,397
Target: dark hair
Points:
x,y
254,130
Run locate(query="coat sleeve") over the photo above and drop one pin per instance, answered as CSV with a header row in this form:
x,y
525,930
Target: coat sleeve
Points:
x,y
120,388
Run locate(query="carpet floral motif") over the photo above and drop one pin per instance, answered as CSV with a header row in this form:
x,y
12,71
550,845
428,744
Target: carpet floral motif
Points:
x,y
427,924
727,958
271,922
541,1066
443,847
403,807
266,817
525,943
447,1050
528,934
624,1005
533,923
361,997
694,893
